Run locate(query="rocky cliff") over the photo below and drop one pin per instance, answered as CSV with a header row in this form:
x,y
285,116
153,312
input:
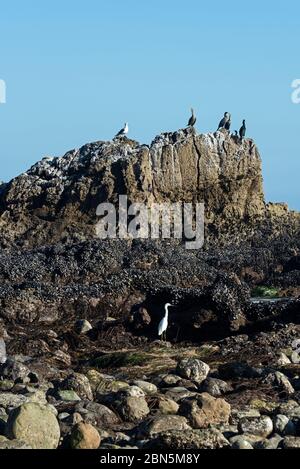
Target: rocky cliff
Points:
x,y
79,315
53,268
56,199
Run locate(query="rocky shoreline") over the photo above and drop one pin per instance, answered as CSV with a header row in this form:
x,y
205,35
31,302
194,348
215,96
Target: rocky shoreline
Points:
x,y
79,315
159,397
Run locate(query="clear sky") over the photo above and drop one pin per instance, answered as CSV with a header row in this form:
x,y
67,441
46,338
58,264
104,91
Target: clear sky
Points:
x,y
77,70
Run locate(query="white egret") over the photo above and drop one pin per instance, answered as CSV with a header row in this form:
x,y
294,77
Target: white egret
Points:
x,y
3,356
164,323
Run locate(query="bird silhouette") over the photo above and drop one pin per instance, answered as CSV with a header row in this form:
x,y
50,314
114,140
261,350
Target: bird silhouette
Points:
x,y
193,119
243,130
224,121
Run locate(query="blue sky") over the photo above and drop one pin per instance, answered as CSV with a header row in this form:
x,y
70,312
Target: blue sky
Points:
x,y
76,71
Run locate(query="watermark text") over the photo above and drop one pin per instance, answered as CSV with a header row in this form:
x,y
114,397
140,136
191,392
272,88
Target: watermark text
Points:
x,y
160,221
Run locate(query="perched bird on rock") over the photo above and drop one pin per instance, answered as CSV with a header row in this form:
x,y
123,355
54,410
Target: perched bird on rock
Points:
x,y
226,119
243,130
3,356
123,132
228,124
193,119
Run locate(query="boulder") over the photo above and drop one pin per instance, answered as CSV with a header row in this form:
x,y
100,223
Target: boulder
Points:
x,y
34,424
205,411
132,409
85,436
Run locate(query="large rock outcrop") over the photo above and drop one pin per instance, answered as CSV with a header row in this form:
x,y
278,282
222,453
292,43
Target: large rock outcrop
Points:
x,y
56,199
54,271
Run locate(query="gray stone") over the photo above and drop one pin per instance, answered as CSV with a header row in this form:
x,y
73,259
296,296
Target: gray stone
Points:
x,y
163,424
291,442
68,396
215,387
133,409
169,380
247,412
147,388
193,369
11,401
80,384
271,444
131,391
96,414
15,370
238,442
190,440
280,380
261,427
284,426
178,394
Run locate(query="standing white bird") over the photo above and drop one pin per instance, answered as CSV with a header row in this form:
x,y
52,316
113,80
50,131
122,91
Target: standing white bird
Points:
x,y
123,131
3,356
164,323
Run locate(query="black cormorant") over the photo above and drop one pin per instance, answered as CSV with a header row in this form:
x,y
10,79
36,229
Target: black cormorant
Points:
x,y
224,121
243,130
228,124
193,119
